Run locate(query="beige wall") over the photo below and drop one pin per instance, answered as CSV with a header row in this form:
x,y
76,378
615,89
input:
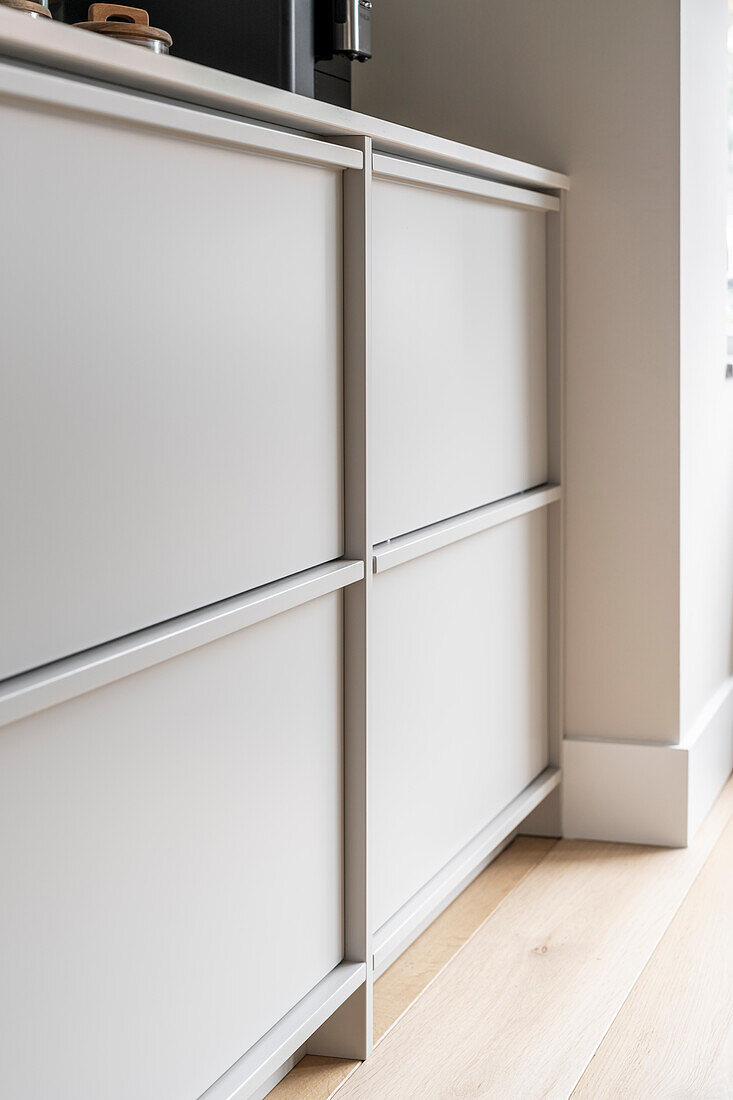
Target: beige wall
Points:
x,y
593,88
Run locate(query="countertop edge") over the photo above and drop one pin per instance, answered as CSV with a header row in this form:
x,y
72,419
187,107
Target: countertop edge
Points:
x,y
57,46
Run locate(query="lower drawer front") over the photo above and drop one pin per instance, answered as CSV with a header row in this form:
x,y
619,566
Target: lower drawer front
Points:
x,y
171,864
459,700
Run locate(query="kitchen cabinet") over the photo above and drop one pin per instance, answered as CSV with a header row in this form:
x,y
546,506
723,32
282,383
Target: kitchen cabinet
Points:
x,y
282,489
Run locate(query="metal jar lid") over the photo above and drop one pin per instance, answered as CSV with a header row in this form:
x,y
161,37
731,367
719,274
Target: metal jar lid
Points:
x,y
36,11
126,25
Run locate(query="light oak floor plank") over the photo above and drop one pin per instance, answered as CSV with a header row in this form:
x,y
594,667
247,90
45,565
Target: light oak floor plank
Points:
x,y
419,965
674,1035
523,1007
314,1078
318,1078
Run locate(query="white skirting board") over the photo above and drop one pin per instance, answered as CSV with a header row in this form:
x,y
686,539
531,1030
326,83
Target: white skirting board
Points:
x,y
648,794
710,757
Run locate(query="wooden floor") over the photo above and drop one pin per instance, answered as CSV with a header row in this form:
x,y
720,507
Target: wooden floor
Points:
x,y
567,968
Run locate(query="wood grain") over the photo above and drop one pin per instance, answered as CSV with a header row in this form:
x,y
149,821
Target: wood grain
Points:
x,y
674,1035
419,965
314,1078
28,5
522,1009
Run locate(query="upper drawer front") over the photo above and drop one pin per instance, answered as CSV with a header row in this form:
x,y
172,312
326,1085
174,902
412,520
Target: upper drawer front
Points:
x,y
170,429
459,374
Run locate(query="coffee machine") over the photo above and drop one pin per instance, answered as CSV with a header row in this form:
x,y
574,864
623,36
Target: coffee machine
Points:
x,y
305,46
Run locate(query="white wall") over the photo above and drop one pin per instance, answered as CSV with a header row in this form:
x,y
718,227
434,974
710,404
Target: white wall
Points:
x,y
707,398
591,88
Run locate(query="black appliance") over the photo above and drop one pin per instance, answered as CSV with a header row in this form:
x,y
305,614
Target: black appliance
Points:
x,y
305,46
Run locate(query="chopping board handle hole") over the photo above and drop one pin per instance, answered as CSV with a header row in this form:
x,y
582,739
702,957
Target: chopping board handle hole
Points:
x,y
118,13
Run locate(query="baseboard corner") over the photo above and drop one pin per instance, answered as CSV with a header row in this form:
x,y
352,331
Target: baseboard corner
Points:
x,y
636,793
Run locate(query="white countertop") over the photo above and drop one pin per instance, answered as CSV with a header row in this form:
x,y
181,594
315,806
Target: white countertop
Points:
x,y
62,48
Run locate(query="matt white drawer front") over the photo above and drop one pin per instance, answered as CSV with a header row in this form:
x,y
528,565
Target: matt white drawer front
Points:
x,y
459,700
171,864
170,426
458,414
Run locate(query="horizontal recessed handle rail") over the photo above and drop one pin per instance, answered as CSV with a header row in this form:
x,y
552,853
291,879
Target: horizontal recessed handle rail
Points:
x,y
413,545
61,680
442,179
186,123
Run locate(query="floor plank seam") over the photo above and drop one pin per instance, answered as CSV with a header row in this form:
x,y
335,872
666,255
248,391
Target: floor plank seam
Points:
x,y
650,956
348,1076
699,1057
